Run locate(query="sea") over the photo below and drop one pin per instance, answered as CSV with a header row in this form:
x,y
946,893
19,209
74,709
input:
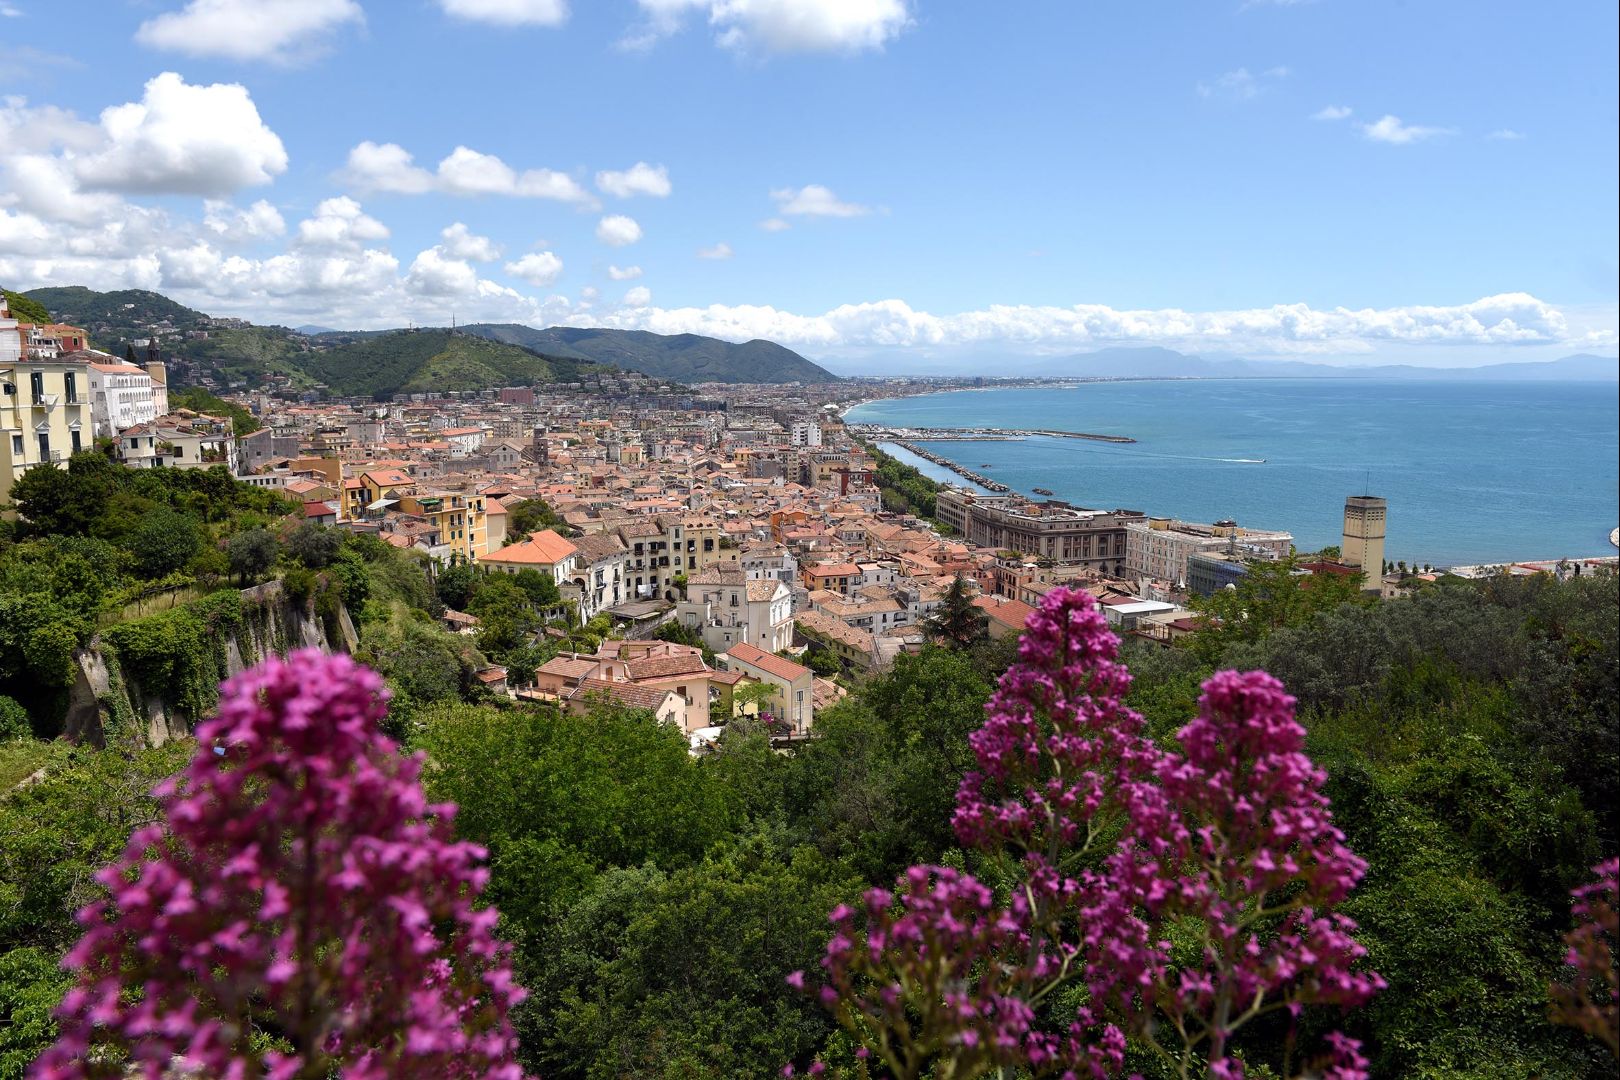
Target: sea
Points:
x,y
1474,472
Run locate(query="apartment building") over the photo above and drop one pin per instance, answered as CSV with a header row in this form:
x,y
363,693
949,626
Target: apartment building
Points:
x,y
1158,548
123,394
44,407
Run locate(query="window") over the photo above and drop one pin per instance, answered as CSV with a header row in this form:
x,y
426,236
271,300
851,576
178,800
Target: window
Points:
x,y
71,382
36,383
44,446
75,436
16,446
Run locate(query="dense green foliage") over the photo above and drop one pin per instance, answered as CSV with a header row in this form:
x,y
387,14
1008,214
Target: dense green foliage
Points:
x,y
903,488
682,358
656,899
404,361
55,833
528,516
26,308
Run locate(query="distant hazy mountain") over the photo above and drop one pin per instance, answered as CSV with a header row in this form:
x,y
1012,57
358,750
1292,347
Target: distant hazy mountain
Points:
x,y
686,358
311,331
1167,363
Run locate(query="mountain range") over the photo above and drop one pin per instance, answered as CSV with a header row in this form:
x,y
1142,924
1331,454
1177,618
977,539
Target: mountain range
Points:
x,y
474,357
1162,363
686,358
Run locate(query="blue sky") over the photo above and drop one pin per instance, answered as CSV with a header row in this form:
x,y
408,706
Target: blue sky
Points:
x,y
883,184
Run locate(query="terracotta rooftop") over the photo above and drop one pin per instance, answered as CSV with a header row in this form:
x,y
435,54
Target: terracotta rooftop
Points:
x,y
754,656
544,548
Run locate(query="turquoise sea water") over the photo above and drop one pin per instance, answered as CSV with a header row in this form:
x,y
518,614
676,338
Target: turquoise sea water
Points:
x,y
1473,471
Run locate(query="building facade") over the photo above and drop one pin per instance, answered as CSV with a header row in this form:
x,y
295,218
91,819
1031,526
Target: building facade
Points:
x,y
1050,530
1363,548
1158,548
44,408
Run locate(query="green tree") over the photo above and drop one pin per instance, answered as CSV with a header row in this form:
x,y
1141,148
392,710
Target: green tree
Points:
x,y
530,516
456,584
679,973
164,542
1269,596
314,545
252,553
13,720
957,622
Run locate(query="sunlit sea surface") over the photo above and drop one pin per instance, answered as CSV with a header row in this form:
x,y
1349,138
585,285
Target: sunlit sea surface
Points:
x,y
1473,471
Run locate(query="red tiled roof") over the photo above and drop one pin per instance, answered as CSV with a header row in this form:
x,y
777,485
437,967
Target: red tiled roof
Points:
x,y
637,697
544,548
754,656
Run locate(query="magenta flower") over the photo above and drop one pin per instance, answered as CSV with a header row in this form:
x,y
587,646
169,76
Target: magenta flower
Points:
x,y
1590,1001
301,912
1118,845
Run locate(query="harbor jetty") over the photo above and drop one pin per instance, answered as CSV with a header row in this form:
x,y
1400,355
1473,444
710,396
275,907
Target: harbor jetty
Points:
x,y
945,462
955,434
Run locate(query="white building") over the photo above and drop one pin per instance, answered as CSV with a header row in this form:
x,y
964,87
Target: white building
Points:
x,y
1158,547
727,607
806,433
123,395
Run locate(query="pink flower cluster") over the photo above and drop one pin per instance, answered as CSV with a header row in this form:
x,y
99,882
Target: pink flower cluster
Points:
x,y
1591,1001
1119,847
302,911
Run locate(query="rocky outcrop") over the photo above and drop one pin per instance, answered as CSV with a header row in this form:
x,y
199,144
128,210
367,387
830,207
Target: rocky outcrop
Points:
x,y
104,698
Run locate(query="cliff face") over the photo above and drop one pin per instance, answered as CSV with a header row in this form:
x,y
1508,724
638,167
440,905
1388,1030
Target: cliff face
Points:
x,y
105,697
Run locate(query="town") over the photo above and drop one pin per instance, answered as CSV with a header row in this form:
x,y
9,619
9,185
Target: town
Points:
x,y
726,537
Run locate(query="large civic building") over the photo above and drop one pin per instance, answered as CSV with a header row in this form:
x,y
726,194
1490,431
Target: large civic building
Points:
x,y
1158,548
1051,530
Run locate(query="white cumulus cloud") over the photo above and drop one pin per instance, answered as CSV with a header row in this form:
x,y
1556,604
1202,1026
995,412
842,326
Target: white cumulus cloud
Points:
x,y
624,273
813,200
184,140
1331,112
509,12
1506,135
1389,129
389,167
460,242
340,223
276,30
538,268
233,224
617,230
639,179
775,224
780,26
638,297
722,250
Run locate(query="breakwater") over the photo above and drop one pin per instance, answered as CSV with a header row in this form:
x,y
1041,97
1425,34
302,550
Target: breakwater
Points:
x,y
946,463
958,434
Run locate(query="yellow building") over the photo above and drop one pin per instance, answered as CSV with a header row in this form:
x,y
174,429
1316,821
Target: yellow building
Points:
x,y
459,519
44,409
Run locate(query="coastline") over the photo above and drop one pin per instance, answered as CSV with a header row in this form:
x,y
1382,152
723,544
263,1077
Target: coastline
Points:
x,y
1089,481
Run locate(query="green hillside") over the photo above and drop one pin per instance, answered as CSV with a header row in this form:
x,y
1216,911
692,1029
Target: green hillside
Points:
x,y
415,361
24,309
686,358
